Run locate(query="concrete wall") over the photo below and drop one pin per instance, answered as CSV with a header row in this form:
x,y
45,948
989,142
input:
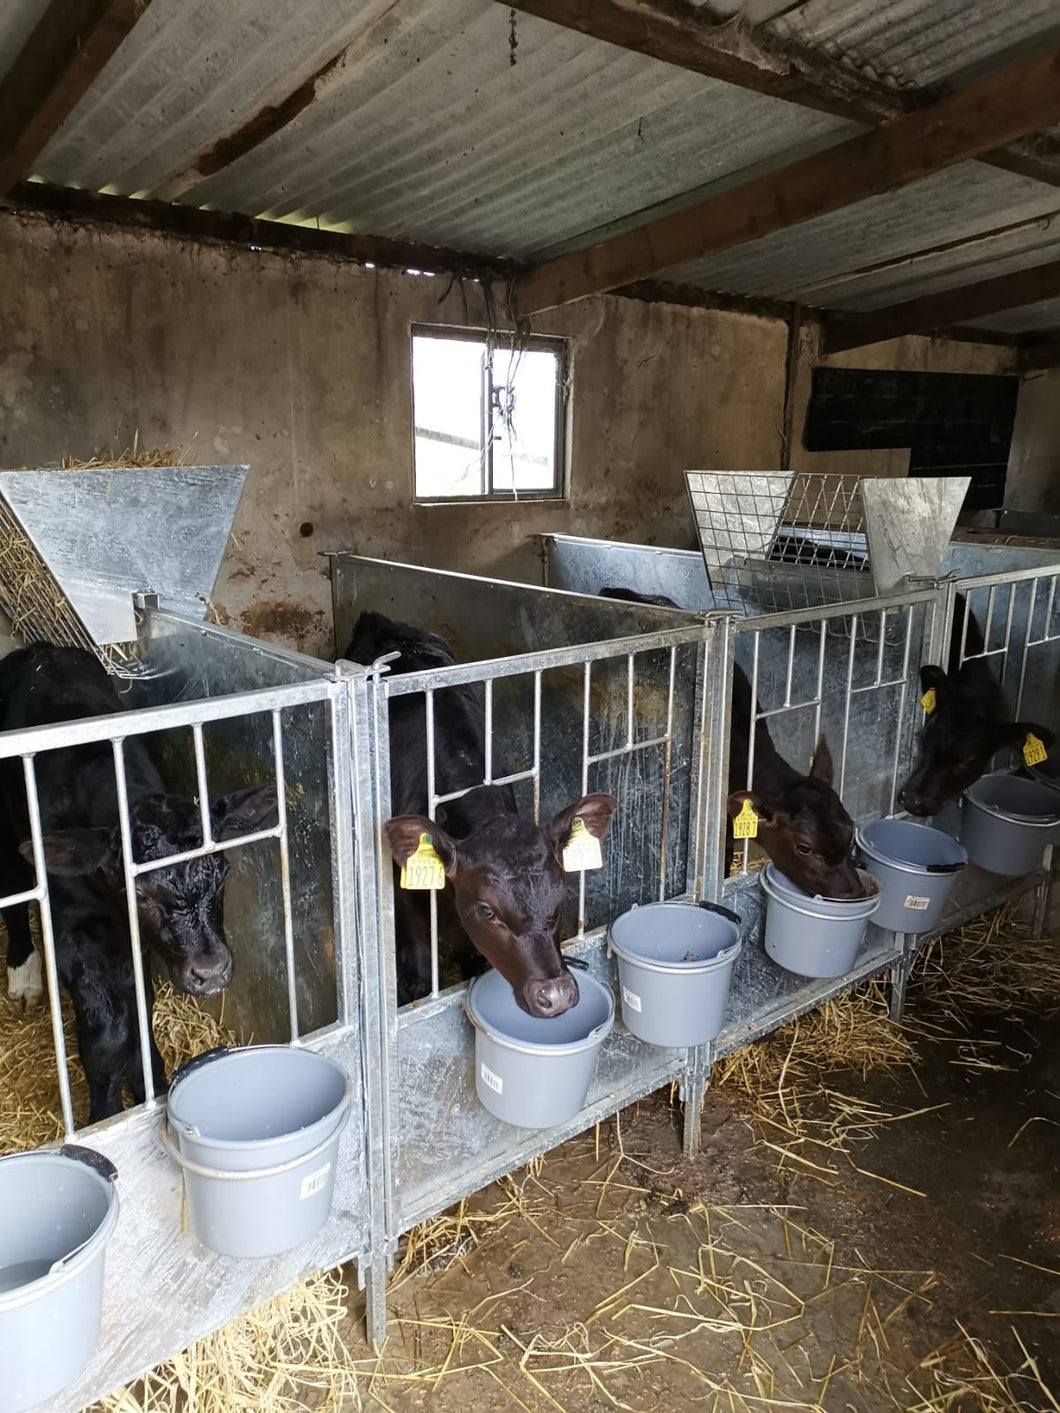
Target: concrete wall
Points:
x,y
301,367
1034,462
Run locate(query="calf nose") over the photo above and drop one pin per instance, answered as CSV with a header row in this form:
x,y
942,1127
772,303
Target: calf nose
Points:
x,y
204,975
552,997
911,801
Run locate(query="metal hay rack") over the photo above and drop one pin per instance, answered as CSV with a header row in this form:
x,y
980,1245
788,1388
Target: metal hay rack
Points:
x,y
776,541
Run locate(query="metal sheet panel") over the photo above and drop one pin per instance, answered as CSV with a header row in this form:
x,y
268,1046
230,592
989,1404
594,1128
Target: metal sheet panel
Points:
x,y
802,263
18,18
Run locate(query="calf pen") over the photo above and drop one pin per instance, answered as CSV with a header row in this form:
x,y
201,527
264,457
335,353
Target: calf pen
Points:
x,y
579,693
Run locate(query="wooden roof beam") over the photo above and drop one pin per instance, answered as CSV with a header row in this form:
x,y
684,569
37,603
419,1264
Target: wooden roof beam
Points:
x,y
684,35
953,306
1007,105
54,70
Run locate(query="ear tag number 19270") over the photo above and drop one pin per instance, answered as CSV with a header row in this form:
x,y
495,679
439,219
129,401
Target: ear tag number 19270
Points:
x,y
582,850
745,825
928,701
423,870
1034,751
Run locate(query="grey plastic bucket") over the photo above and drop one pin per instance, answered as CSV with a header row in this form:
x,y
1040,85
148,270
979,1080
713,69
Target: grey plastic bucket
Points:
x,y
916,867
675,965
257,1134
814,936
59,1211
1007,822
531,1072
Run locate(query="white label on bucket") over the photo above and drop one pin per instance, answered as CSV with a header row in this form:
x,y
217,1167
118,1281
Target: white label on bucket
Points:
x,y
313,1182
493,1080
631,999
912,901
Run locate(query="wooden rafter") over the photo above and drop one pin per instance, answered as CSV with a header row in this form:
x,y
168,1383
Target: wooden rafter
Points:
x,y
933,311
52,73
1000,108
684,35
193,223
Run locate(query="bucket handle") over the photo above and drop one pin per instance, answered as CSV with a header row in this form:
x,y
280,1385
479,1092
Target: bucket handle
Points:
x,y
196,1061
579,963
91,1159
725,912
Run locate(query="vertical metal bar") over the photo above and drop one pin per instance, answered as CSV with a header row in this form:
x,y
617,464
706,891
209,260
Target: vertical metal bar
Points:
x,y
487,764
51,967
882,643
896,757
203,788
757,635
537,746
854,620
127,861
988,630
368,746
1041,894
285,872
586,701
820,682
629,702
1026,646
791,666
667,760
432,805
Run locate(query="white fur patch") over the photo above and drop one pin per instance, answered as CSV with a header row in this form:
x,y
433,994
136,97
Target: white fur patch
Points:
x,y
26,983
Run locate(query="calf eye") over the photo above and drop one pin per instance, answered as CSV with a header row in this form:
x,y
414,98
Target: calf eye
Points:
x,y
803,849
483,911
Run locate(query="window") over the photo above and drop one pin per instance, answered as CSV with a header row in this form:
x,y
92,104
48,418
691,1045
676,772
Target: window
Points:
x,y
489,419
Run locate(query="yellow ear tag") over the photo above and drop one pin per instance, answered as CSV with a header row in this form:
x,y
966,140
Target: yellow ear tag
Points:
x,y
582,850
1034,751
745,825
929,701
423,870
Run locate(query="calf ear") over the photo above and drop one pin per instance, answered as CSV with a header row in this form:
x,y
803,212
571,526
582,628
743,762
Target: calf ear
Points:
x,y
71,852
1014,733
932,676
735,803
244,811
402,835
822,768
595,811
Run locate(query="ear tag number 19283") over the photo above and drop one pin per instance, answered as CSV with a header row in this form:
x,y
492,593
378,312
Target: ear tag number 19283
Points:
x,y
423,870
1034,751
745,825
582,850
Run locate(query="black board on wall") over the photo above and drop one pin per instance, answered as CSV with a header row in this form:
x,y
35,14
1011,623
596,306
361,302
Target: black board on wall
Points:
x,y
955,424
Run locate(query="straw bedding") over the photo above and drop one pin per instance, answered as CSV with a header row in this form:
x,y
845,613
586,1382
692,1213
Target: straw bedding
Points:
x,y
747,1298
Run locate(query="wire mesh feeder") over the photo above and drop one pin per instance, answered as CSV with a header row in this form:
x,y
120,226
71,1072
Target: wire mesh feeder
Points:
x,y
77,544
781,540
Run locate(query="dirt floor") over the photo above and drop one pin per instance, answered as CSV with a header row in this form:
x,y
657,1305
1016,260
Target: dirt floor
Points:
x,y
919,1269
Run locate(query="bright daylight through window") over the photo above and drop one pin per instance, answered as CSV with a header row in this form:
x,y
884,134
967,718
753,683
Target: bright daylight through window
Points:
x,y
489,419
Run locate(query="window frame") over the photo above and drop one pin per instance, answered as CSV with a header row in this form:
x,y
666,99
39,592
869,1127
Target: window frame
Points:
x,y
547,343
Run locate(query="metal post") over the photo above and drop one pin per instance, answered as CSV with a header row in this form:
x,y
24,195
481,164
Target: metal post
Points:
x,y
901,968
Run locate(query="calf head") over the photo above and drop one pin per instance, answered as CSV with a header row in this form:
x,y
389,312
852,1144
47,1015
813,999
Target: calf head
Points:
x,y
805,830
960,736
509,886
179,904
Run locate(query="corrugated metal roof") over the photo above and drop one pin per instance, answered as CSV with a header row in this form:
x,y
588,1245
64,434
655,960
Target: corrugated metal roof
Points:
x,y
920,43
1032,318
801,263
426,131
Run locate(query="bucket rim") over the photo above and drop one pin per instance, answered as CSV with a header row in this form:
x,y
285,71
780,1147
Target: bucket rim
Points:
x,y
1035,821
186,1130
83,1255
867,906
723,958
595,1038
938,870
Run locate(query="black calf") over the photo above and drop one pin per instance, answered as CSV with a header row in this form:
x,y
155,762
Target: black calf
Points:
x,y
179,906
